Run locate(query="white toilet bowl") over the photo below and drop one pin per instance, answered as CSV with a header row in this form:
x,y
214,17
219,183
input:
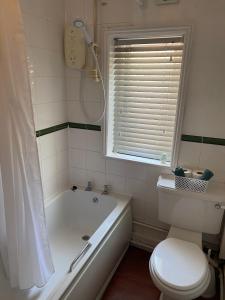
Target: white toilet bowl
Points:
x,y
179,269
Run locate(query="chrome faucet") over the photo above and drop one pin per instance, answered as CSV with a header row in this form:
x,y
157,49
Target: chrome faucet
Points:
x,y
106,190
89,186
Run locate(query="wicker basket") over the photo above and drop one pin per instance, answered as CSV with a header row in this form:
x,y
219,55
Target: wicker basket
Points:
x,y
191,184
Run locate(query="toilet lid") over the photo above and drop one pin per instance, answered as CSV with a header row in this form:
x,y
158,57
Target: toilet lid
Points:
x,y
179,264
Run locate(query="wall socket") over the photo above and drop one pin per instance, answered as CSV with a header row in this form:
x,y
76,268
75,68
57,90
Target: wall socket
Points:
x,y
161,2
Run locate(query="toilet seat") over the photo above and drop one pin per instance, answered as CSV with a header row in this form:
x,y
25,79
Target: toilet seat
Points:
x,y
179,269
180,294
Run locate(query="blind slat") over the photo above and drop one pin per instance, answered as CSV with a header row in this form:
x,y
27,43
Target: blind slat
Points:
x,y
152,66
145,129
140,83
140,94
144,138
141,106
152,53
142,147
151,101
156,155
144,72
147,60
144,78
141,48
137,88
145,121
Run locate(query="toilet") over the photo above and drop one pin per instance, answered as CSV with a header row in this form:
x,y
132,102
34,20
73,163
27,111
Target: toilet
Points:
x,y
178,266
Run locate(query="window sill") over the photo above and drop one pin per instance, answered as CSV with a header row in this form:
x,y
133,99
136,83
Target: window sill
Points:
x,y
142,160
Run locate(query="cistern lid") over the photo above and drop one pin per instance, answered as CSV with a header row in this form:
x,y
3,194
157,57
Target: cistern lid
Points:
x,y
179,264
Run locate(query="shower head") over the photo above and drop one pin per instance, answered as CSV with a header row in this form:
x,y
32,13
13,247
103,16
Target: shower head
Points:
x,y
78,23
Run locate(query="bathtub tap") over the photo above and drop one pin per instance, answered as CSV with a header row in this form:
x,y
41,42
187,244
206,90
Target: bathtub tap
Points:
x,y
89,186
106,190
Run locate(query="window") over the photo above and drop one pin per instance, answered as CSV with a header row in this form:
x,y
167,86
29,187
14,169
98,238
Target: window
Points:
x,y
145,79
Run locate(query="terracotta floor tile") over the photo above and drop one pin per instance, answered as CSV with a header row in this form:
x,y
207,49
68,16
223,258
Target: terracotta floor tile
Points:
x,y
132,280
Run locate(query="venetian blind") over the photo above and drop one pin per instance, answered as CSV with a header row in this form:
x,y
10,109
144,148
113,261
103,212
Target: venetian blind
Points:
x,y
144,87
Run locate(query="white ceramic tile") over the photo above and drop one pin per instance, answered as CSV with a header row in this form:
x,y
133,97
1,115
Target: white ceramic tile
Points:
x,y
55,185
136,171
62,161
95,161
78,177
117,12
74,10
78,138
48,166
51,9
48,145
94,141
73,88
50,188
37,8
53,143
117,183
63,178
72,72
144,203
37,35
189,155
49,114
56,10
56,36
88,9
61,138
212,157
76,113
77,158
92,90
49,89
98,179
153,173
116,167
47,63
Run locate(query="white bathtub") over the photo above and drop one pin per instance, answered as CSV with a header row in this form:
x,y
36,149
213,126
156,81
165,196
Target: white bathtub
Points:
x,y
70,216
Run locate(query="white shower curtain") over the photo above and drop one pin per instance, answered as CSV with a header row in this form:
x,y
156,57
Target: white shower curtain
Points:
x,y
24,246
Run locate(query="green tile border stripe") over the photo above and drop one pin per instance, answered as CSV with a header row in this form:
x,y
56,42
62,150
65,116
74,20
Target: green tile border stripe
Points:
x,y
65,125
85,126
203,139
213,141
51,129
191,138
184,137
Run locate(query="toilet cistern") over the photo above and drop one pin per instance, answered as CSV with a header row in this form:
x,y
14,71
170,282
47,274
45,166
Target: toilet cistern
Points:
x,y
178,266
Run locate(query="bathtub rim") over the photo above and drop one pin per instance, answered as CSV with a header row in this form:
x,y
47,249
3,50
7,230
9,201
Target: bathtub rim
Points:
x,y
120,196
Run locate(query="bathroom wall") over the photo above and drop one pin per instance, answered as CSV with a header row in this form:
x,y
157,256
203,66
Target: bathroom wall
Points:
x,y
204,109
44,24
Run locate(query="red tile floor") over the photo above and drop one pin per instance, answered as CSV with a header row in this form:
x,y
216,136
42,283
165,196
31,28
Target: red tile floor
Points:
x,y
132,280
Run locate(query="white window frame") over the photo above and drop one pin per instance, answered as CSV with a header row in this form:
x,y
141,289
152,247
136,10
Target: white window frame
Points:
x,y
109,36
